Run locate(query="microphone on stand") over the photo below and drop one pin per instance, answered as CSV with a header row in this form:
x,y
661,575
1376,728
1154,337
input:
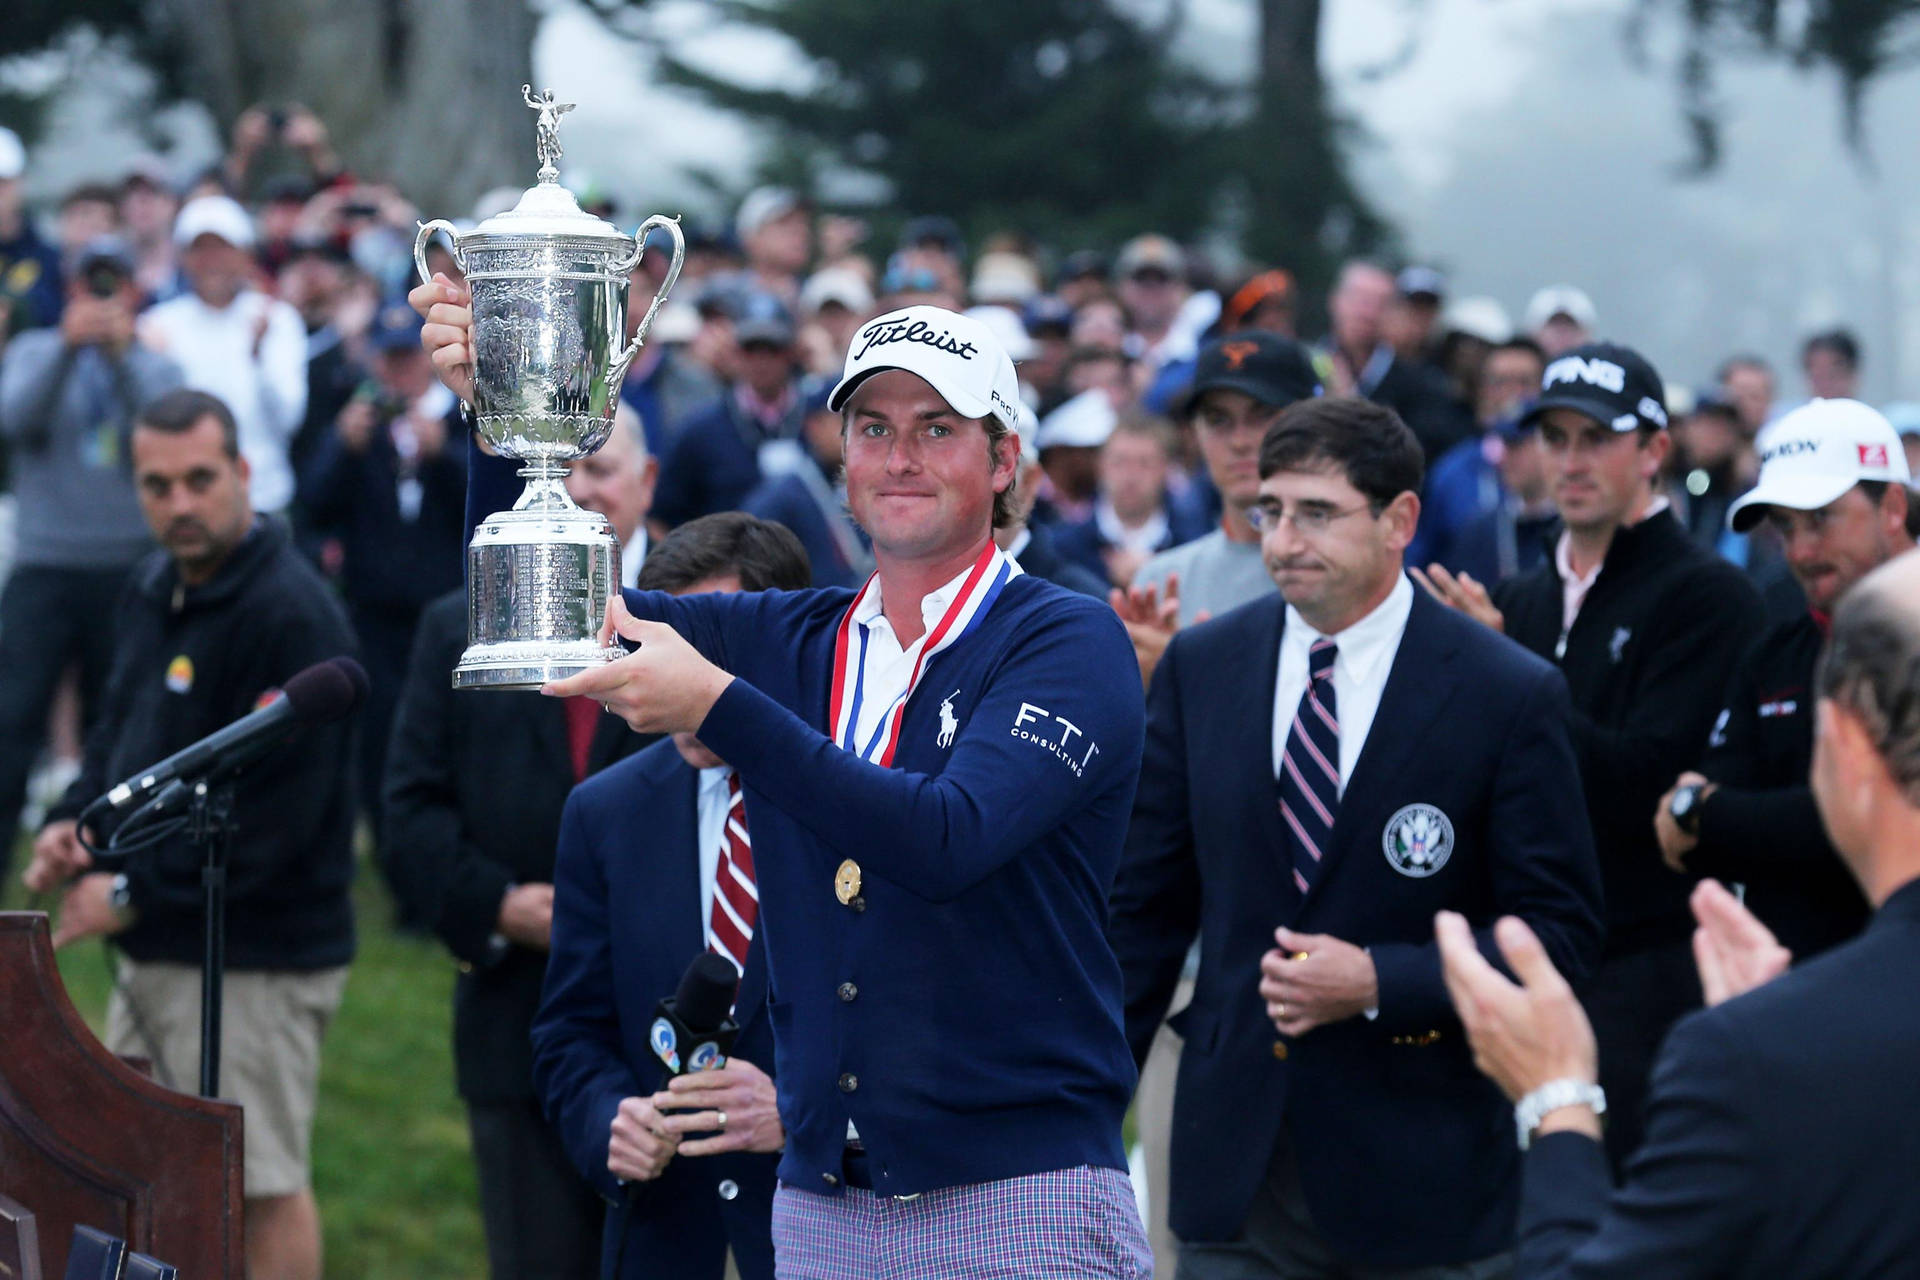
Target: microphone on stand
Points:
x,y
323,692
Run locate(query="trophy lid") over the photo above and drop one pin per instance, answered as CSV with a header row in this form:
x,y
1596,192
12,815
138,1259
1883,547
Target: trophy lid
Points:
x,y
549,209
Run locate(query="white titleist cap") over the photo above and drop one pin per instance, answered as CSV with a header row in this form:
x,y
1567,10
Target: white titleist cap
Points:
x,y
1811,456
956,355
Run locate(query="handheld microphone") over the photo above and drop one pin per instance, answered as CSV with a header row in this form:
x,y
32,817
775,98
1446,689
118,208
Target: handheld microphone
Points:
x,y
322,692
693,1029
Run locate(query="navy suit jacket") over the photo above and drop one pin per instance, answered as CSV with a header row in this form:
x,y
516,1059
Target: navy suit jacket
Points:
x,y
1406,1151
1781,1138
626,923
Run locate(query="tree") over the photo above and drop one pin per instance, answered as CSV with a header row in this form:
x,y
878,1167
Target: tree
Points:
x,y
1058,117
1306,212
426,93
1855,39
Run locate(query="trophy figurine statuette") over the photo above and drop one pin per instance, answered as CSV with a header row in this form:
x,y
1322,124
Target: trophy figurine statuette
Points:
x,y
549,287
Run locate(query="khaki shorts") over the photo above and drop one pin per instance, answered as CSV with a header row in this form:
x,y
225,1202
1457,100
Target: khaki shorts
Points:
x,y
271,1025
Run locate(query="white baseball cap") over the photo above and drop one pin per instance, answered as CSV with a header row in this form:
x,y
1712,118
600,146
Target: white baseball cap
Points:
x,y
13,156
1083,422
1006,325
213,216
1811,456
1478,317
956,355
836,284
1561,300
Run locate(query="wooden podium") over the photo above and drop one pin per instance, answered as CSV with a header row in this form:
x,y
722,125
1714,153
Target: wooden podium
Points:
x,y
87,1140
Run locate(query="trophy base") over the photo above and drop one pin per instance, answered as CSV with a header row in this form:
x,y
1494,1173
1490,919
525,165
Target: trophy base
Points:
x,y
522,665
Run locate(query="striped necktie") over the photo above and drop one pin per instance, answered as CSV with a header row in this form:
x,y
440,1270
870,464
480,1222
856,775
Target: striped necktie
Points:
x,y
1309,780
736,899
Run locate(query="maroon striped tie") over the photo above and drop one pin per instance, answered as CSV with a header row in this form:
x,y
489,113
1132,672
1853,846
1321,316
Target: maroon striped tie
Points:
x,y
736,899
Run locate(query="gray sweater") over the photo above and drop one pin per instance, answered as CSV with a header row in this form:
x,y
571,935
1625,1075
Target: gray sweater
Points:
x,y
66,414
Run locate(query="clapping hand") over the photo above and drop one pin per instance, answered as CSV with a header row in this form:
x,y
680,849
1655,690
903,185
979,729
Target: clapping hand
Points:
x,y
1523,1034
1460,591
1734,951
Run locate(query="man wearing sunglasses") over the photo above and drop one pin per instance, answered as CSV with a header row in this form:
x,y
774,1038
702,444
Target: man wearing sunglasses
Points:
x,y
1323,769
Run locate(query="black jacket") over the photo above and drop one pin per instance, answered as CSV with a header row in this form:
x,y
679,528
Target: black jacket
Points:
x,y
1645,660
1780,1136
1761,827
1420,395
475,782
191,660
396,561
1041,557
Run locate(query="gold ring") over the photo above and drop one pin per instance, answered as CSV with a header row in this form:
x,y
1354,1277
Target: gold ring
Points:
x,y
1301,955
1279,1008
723,1121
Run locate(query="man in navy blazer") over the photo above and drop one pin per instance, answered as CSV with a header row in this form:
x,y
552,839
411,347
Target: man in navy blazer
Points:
x,y
1328,1120
1781,1138
627,920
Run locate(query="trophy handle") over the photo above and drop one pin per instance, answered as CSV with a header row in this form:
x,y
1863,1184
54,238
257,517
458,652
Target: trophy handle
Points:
x,y
618,373
420,246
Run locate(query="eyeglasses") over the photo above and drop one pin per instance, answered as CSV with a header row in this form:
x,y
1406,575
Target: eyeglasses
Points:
x,y
1308,522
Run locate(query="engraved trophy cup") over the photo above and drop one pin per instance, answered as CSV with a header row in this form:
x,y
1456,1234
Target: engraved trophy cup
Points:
x,y
549,287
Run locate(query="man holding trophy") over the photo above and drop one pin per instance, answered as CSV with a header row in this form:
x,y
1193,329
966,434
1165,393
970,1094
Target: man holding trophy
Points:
x,y
939,769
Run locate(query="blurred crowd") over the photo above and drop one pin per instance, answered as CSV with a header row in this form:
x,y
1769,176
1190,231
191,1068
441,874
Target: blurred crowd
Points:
x,y
276,280
276,283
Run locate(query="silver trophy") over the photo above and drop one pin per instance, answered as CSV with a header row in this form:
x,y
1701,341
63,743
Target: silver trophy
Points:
x,y
549,327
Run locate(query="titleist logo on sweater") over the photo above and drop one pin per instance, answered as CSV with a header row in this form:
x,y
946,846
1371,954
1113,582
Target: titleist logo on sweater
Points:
x,y
913,331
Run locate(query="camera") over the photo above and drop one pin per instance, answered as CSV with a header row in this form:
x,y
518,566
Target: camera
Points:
x,y
103,279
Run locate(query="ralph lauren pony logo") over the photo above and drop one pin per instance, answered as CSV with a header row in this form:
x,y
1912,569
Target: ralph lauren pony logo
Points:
x,y
881,335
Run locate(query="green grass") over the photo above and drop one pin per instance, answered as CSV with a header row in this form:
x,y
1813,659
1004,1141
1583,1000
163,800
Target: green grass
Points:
x,y
391,1165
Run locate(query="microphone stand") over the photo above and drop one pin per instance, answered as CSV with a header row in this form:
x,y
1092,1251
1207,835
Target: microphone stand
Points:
x,y
210,827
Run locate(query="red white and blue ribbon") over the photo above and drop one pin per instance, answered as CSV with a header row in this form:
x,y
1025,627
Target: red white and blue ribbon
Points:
x,y
992,571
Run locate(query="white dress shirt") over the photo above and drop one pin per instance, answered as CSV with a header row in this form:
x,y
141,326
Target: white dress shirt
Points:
x,y
715,801
267,391
1359,673
888,666
1145,539
632,556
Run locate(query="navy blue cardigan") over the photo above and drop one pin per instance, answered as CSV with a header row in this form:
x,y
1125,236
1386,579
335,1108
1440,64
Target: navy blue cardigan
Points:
x,y
965,1011
968,1017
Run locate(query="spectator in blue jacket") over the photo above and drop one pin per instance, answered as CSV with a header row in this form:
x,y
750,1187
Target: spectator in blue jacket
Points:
x,y
1465,483
390,484
713,459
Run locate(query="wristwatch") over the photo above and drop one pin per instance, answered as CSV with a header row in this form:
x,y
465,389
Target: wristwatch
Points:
x,y
1551,1096
1684,808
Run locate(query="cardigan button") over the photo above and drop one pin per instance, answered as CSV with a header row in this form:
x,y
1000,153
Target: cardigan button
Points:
x,y
848,992
729,1189
1280,1050
859,903
829,1179
849,1082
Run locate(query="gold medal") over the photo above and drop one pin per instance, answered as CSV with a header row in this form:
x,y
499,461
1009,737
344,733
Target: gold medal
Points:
x,y
846,882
